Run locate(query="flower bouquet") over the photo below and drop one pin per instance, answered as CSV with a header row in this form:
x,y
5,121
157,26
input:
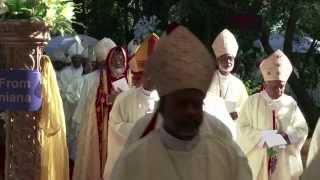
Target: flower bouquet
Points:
x,y
58,15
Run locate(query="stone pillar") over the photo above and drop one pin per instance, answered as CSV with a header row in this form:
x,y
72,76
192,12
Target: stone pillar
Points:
x,y
21,46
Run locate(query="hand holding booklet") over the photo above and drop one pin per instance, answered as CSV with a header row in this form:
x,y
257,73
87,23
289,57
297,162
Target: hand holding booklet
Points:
x,y
271,138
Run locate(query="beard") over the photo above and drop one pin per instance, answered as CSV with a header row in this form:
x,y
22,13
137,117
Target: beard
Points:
x,y
226,68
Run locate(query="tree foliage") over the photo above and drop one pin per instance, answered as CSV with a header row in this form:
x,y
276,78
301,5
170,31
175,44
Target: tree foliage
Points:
x,y
247,19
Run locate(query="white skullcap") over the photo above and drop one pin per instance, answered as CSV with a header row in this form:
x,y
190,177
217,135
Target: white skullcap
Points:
x,y
103,47
225,43
180,61
276,67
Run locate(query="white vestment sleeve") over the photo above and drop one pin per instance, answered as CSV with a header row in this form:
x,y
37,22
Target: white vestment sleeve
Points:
x,y
312,171
248,137
80,110
298,129
314,144
215,106
73,90
243,97
118,121
241,166
138,129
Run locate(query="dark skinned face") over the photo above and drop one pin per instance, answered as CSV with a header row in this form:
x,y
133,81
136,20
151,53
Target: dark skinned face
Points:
x,y
137,79
182,113
275,88
87,67
225,64
77,61
117,63
58,65
147,82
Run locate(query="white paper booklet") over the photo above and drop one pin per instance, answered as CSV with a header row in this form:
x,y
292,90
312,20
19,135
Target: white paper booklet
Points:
x,y
271,138
120,85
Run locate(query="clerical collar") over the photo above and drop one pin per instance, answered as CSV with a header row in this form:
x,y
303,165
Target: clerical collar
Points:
x,y
175,144
274,103
223,76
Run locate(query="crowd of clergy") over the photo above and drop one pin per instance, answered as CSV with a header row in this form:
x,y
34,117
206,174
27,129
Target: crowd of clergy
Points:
x,y
165,108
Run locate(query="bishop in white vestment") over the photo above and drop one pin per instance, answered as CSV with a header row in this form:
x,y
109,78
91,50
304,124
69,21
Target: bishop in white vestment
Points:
x,y
224,84
133,104
273,115
88,163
